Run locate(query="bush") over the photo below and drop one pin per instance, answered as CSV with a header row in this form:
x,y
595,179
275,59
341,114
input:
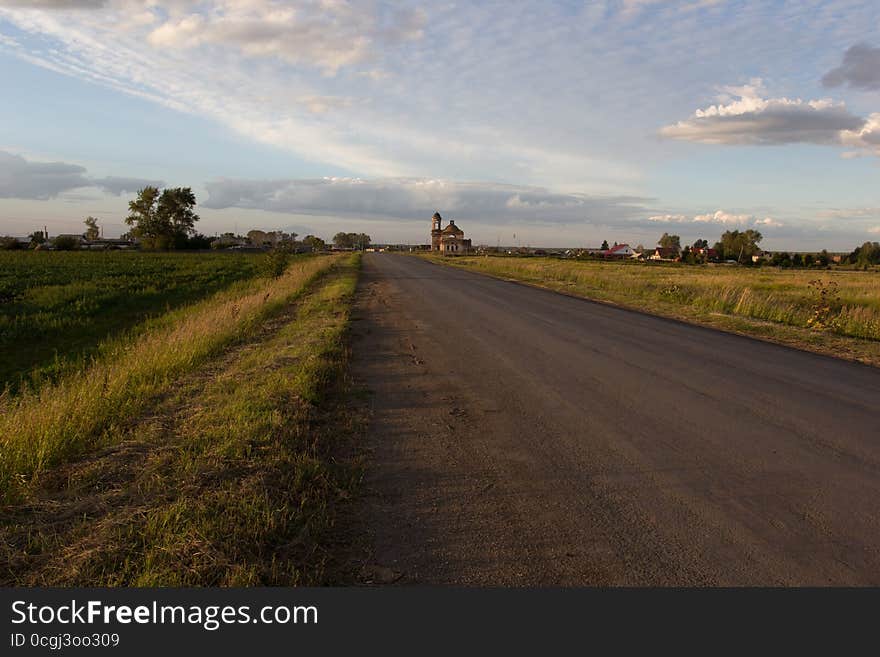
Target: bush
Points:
x,y
65,243
275,262
9,244
198,241
826,304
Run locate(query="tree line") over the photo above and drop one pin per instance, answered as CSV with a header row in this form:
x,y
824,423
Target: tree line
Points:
x,y
165,219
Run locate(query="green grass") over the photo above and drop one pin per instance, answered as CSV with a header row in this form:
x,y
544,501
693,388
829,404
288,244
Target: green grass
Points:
x,y
230,480
778,304
56,308
42,427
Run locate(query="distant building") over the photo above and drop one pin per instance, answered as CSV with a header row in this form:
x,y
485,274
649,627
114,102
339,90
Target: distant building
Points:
x,y
619,251
107,243
449,240
665,253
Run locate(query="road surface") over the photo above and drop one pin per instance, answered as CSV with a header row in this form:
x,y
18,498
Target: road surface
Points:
x,y
523,437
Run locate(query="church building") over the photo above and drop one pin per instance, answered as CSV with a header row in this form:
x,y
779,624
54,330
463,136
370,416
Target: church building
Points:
x,y
449,240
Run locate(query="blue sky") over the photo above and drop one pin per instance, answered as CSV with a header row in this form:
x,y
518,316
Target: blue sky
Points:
x,y
562,123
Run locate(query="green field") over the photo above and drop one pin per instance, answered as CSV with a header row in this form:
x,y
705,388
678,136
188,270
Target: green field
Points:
x,y
197,450
57,307
833,311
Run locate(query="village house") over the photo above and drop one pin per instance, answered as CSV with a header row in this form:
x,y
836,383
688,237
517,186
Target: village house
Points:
x,y
449,240
620,251
665,253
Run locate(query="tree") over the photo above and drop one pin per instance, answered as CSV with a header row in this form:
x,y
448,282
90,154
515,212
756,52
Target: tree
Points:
x,y
866,254
668,241
351,241
258,237
163,220
781,259
92,230
739,246
604,245
316,243
37,237
361,241
175,210
701,244
343,240
142,214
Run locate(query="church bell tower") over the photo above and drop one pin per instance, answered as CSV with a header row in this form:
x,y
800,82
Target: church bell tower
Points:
x,y
436,226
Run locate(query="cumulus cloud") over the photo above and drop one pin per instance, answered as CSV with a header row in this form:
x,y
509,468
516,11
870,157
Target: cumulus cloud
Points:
x,y
719,217
414,198
769,222
722,217
23,179
743,116
866,139
860,69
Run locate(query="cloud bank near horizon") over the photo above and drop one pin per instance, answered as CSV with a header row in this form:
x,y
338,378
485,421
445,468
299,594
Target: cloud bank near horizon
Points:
x,y
24,179
417,198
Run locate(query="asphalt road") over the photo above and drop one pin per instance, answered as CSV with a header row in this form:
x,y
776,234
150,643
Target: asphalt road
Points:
x,y
523,437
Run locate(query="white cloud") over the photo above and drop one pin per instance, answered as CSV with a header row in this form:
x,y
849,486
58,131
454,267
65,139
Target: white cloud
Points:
x,y
722,217
874,230
327,35
54,4
352,85
744,116
415,198
866,138
670,218
719,217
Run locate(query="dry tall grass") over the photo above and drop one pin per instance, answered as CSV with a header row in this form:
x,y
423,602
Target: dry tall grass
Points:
x,y
850,306
44,427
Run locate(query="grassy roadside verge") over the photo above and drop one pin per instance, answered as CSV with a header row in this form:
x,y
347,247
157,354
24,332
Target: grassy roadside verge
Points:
x,y
231,481
839,316
39,429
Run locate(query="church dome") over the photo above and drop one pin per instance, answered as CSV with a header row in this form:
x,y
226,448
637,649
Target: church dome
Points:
x,y
452,229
